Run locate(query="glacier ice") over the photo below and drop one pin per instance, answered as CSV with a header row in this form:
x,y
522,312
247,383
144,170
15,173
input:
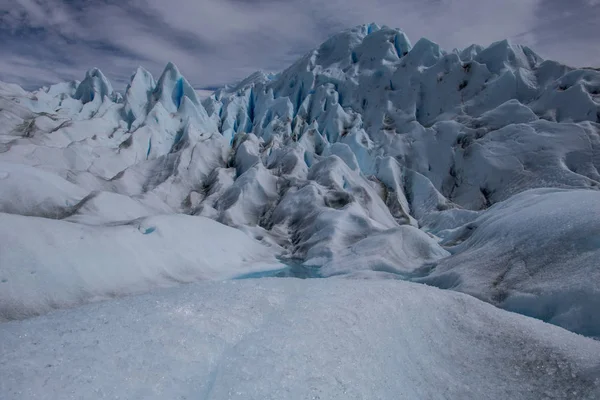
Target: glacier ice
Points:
x,y
364,134
295,339
368,159
537,254
49,264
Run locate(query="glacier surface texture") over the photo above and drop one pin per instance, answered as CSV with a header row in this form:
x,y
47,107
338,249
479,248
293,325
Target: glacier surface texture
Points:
x,y
448,202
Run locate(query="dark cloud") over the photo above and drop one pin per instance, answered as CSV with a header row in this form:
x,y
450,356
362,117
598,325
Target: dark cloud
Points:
x,y
219,41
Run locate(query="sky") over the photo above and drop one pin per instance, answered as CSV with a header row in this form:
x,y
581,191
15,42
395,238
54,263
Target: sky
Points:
x,y
216,42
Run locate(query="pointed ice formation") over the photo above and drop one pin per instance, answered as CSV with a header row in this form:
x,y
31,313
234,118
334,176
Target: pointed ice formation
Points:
x,y
94,86
172,87
138,95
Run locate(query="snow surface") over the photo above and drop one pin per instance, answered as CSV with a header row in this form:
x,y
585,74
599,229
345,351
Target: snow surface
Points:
x,y
369,159
49,264
295,339
537,254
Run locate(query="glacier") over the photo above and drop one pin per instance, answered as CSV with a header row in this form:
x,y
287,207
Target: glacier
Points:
x,y
390,170
295,339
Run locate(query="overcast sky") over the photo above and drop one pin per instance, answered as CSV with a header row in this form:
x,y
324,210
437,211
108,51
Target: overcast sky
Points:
x,y
214,42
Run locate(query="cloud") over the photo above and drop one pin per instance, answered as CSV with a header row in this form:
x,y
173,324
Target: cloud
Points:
x,y
568,31
215,42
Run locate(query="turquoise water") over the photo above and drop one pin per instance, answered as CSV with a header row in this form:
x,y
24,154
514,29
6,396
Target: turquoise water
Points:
x,y
292,269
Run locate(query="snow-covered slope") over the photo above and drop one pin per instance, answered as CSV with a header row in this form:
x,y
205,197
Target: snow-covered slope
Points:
x,y
294,339
537,254
48,264
368,157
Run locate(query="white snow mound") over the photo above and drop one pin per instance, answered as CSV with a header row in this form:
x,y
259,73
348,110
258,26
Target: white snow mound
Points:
x,y
537,254
294,339
49,264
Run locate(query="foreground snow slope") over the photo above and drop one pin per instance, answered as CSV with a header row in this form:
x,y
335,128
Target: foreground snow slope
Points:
x,y
295,339
48,264
361,156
